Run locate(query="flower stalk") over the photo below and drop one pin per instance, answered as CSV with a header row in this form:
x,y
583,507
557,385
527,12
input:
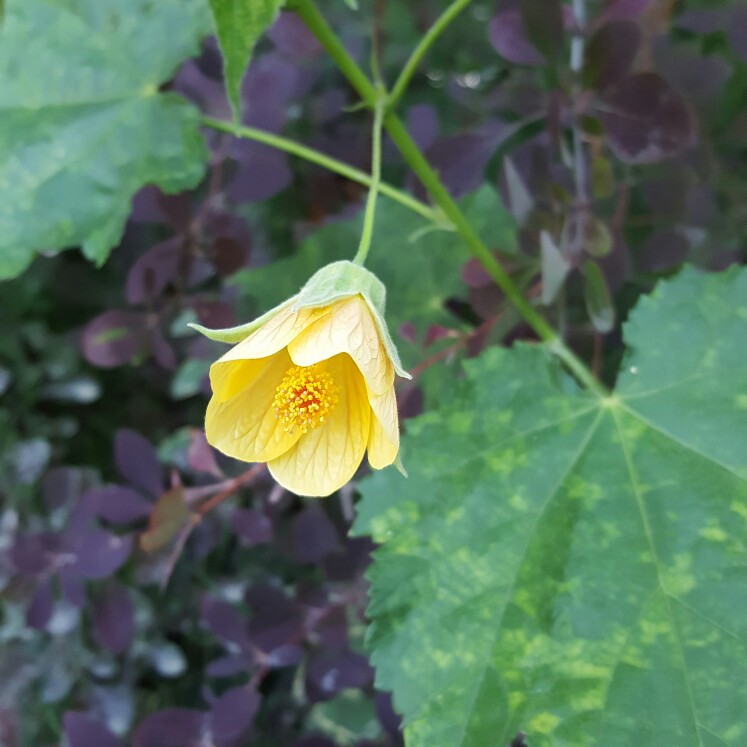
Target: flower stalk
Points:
x,y
373,190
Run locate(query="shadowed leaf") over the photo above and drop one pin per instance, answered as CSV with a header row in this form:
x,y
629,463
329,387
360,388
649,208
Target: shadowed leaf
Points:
x,y
610,53
646,120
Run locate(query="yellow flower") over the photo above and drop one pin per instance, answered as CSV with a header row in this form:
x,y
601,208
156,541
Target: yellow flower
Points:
x,y
308,392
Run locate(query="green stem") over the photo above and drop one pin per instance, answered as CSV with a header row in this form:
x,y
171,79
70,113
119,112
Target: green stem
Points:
x,y
314,156
373,191
318,26
440,25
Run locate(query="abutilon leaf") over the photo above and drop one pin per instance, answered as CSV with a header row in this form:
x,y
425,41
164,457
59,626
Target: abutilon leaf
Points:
x,y
568,565
84,124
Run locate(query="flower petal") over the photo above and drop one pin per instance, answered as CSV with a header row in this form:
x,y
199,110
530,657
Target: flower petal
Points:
x,y
325,458
347,328
274,334
383,439
228,378
245,426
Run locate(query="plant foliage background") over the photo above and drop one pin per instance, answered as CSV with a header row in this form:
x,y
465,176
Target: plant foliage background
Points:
x,y
560,564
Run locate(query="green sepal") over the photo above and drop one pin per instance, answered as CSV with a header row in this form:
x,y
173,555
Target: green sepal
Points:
x,y
334,282
232,335
343,279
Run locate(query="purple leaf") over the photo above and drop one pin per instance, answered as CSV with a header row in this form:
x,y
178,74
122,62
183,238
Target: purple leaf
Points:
x,y
162,350
214,314
475,275
224,621
40,608
736,31
229,666
348,565
292,38
461,159
114,338
422,124
62,486
284,656
72,586
543,23
390,720
263,172
137,461
118,504
82,731
200,455
702,20
701,78
172,727
646,120
268,86
313,740
33,554
329,672
207,93
155,270
663,250
232,714
610,53
252,526
507,35
100,553
114,618
227,255
275,620
314,535
146,207
620,9
332,630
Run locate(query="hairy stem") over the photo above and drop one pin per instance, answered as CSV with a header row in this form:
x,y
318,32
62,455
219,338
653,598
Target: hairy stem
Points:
x,y
320,159
373,190
316,23
440,25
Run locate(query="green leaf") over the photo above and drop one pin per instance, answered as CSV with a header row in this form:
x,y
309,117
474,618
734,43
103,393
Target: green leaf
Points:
x,y
571,566
84,126
420,268
170,514
239,24
599,304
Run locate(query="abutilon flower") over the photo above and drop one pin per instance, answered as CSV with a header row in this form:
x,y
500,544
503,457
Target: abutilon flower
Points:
x,y
309,388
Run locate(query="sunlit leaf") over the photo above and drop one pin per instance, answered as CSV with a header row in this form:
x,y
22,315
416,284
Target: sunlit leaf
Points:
x,y
570,566
84,124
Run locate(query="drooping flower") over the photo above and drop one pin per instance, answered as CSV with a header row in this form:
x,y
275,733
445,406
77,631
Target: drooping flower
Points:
x,y
309,388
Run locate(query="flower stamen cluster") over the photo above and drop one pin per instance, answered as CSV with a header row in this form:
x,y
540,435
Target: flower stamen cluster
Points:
x,y
305,397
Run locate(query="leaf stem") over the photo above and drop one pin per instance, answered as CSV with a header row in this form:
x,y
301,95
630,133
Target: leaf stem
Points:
x,y
318,26
439,26
320,159
373,190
